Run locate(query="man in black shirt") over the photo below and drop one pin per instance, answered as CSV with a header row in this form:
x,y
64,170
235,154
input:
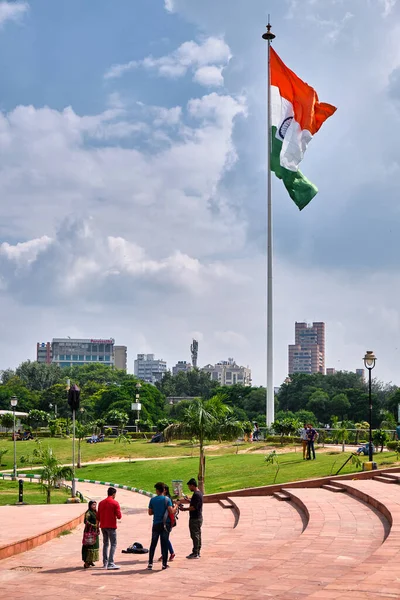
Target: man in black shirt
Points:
x,y
195,517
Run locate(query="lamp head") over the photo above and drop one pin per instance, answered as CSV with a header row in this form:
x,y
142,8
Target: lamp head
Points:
x,y
369,359
14,401
138,386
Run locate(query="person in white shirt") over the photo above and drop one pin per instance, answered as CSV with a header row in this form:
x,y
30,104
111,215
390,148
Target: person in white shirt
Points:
x,y
304,439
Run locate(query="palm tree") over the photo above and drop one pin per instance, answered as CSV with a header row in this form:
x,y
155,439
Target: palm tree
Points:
x,y
197,422
52,471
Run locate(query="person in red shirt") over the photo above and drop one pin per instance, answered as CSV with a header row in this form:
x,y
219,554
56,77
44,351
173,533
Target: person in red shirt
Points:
x,y
108,512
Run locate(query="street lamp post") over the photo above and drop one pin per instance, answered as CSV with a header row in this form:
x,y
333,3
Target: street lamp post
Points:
x,y
369,362
137,405
14,402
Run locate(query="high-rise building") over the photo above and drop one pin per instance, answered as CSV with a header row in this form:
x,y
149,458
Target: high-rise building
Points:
x,y
120,357
360,373
149,368
307,354
227,372
43,352
180,366
330,371
68,352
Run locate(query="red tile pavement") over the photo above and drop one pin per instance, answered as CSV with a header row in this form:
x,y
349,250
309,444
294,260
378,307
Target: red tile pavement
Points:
x,y
265,556
24,527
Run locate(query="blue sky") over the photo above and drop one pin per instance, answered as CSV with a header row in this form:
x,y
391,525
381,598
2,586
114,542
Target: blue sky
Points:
x,y
132,178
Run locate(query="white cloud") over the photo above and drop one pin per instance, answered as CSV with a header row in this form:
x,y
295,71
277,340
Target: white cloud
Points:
x,y
169,5
334,27
24,253
388,6
90,261
209,76
206,59
12,11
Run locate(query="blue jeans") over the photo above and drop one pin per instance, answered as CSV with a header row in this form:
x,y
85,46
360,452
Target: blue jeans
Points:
x,y
159,531
109,536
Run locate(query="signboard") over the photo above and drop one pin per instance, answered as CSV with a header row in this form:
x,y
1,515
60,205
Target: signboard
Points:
x,y
177,487
102,341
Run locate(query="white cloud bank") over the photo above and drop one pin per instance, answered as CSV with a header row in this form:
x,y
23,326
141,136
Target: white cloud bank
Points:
x,y
12,11
206,60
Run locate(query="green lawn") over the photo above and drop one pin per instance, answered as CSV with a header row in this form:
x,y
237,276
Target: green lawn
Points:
x,y
32,494
90,452
227,472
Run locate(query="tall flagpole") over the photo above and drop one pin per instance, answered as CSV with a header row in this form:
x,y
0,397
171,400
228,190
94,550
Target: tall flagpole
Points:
x,y
270,408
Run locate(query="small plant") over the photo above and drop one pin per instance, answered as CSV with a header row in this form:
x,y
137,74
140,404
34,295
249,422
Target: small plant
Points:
x,y
380,437
272,459
65,532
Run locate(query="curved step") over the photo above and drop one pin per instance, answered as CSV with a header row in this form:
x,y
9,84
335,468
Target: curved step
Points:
x,y
377,576
341,533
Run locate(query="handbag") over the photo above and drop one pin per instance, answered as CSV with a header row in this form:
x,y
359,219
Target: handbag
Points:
x,y
89,537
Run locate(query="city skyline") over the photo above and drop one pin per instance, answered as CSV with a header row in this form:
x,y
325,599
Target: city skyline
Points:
x,y
133,179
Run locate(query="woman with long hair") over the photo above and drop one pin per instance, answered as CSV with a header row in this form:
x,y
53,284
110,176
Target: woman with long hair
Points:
x,y
90,542
175,509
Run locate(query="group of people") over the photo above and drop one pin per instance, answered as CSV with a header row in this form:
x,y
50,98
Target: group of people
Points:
x,y
95,438
308,436
23,435
164,511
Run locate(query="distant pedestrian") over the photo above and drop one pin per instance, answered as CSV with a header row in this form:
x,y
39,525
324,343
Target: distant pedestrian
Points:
x,y
398,431
312,435
256,433
90,542
160,508
304,440
108,513
195,517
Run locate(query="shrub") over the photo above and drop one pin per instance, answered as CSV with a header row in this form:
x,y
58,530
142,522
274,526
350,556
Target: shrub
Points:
x,y
285,439
139,435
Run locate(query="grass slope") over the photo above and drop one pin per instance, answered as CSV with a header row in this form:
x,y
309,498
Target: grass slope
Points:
x,y
90,452
224,473
32,494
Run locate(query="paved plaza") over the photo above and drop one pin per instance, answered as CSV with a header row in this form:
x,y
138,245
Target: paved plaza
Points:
x,y
333,544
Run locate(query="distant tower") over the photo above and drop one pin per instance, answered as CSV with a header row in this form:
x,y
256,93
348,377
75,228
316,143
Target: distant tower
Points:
x,y
194,348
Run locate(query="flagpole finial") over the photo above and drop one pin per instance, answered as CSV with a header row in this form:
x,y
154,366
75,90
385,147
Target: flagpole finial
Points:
x,y
268,36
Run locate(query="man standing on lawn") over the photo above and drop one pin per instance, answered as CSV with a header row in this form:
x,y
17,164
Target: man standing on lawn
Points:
x,y
108,512
160,507
195,517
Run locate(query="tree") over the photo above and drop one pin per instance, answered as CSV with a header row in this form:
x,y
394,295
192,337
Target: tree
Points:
x,y
317,404
338,405
7,421
52,472
380,437
118,418
39,376
37,418
288,426
197,422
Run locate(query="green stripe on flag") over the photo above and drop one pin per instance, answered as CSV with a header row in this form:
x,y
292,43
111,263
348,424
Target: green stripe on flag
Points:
x,y
299,188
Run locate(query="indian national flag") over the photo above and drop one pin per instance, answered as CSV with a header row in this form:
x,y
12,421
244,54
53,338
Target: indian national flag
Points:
x,y
296,114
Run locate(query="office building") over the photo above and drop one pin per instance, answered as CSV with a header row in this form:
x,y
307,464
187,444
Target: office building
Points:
x,y
307,354
227,372
360,373
331,371
68,352
181,366
120,357
149,368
